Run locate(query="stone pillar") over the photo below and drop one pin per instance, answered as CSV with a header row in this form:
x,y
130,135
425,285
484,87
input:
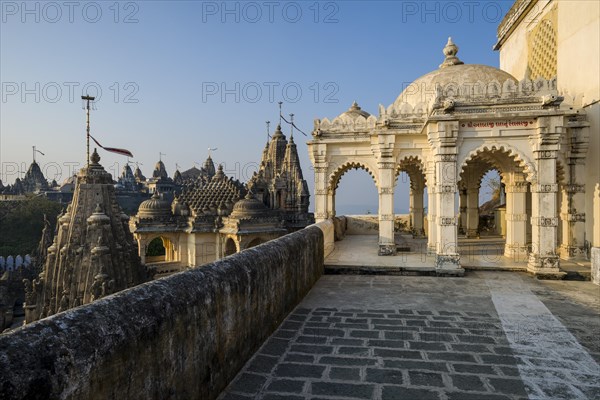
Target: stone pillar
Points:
x,y
387,244
431,216
473,210
331,203
596,237
447,257
516,221
543,260
321,193
462,204
573,217
416,214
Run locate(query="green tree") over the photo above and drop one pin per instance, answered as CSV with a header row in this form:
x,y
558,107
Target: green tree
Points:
x,y
21,224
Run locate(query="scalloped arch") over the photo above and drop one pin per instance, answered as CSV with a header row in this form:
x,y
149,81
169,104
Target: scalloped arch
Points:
x,y
336,175
411,164
517,157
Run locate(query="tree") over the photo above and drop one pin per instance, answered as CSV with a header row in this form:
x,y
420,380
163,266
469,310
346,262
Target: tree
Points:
x,y
22,222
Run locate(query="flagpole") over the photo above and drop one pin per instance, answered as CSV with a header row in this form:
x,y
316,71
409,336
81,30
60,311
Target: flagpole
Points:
x,y
87,99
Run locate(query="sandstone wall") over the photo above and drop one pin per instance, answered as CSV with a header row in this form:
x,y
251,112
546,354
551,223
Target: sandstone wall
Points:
x,y
181,337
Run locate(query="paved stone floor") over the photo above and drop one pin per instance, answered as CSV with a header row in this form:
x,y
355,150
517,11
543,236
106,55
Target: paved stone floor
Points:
x,y
488,335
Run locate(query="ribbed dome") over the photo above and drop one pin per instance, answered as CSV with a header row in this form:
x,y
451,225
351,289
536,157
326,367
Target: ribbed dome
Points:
x,y
249,207
452,73
154,207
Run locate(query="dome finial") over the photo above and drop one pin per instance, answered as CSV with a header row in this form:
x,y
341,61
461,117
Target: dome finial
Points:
x,y
95,158
450,51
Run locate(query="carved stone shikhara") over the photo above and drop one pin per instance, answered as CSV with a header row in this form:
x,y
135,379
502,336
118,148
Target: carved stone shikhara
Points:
x,y
97,255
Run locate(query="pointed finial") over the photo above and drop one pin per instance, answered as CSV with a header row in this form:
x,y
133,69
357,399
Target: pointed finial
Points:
x,y
95,158
268,130
450,51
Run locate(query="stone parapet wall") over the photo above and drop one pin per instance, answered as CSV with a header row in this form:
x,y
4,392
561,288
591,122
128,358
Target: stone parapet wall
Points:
x,y
180,337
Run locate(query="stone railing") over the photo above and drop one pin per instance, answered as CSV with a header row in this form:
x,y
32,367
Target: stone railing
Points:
x,y
181,337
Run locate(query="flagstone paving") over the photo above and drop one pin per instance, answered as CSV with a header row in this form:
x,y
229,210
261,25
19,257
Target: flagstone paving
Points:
x,y
489,335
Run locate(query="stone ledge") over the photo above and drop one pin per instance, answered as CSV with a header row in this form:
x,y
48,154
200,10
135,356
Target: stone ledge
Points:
x,y
180,337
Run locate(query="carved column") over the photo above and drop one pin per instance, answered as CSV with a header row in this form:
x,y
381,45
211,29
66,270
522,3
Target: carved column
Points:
x,y
446,190
473,210
387,245
416,211
431,216
516,221
543,260
463,210
573,215
321,192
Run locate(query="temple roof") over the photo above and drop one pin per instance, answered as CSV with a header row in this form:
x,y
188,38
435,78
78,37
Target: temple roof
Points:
x,y
453,72
220,191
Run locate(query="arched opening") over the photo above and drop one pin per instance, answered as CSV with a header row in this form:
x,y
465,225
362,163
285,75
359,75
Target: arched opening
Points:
x,y
353,194
495,206
255,242
230,247
155,251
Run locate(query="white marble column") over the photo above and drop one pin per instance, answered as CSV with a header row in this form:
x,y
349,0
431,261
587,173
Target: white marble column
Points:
x,y
573,215
416,214
321,193
447,258
431,216
387,245
516,221
462,204
473,210
543,260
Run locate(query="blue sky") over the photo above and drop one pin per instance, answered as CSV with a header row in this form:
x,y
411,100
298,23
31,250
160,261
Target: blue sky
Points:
x,y
162,67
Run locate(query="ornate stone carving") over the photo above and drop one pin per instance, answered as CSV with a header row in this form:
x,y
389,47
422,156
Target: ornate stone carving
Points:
x,y
544,221
546,188
447,221
545,154
387,165
445,188
446,157
516,217
576,217
574,188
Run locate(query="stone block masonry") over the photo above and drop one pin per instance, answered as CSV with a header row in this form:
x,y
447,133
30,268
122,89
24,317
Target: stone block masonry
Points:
x,y
181,337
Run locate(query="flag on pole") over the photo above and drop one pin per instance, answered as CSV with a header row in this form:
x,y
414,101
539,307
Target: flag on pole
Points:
x,y
123,152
